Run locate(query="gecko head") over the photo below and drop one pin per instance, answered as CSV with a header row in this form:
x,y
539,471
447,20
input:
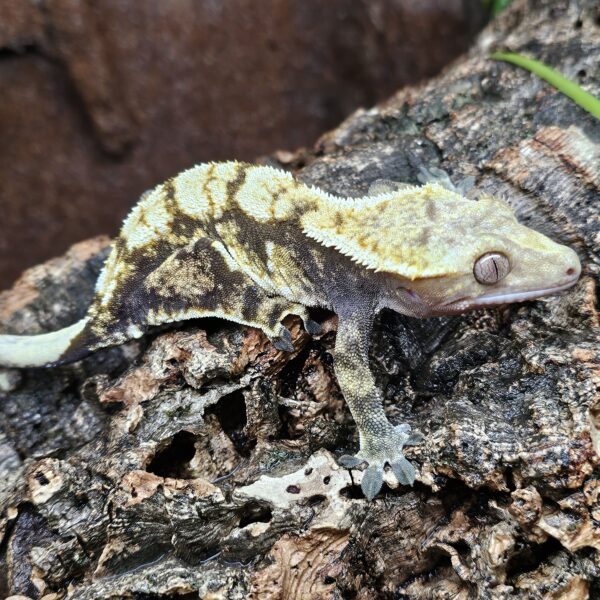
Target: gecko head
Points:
x,y
484,258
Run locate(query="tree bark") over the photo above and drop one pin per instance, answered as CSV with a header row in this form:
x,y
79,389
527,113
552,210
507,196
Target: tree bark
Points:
x,y
199,462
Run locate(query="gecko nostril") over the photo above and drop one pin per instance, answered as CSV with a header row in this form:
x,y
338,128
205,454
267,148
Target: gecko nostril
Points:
x,y
570,271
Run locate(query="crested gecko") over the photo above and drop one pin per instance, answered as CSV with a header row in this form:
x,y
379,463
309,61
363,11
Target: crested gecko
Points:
x,y
251,244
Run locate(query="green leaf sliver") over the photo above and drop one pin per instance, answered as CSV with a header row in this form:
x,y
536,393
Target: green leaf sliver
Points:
x,y
560,82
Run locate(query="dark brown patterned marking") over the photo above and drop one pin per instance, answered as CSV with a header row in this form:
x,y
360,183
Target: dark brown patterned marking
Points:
x,y
235,184
168,196
208,179
431,210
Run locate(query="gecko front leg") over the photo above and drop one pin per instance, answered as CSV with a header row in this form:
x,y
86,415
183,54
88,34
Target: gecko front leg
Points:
x,y
380,441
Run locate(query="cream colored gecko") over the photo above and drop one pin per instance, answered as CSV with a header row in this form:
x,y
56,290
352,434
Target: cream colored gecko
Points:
x,y
251,244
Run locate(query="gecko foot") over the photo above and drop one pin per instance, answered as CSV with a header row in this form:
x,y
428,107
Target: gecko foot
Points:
x,y
381,451
312,327
283,341
436,175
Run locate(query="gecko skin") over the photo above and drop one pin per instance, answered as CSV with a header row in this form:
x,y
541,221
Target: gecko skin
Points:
x,y
251,244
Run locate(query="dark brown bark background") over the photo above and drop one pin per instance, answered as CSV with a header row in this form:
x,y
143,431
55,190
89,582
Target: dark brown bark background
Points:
x,y
199,462
103,100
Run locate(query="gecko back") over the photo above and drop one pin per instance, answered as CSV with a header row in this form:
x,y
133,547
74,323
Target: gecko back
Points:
x,y
176,257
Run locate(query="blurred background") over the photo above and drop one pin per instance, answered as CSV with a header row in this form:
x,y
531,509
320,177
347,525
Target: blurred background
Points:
x,y
104,99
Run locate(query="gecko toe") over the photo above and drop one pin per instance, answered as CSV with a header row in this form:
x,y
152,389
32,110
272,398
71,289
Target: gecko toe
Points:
x,y
404,471
372,481
380,451
386,186
283,345
465,185
349,462
283,341
435,175
414,439
403,428
312,327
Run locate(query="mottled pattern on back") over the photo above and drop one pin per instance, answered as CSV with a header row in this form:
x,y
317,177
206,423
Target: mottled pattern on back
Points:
x,y
220,239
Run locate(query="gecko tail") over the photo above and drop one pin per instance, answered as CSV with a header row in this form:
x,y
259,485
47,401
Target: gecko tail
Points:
x,y
38,350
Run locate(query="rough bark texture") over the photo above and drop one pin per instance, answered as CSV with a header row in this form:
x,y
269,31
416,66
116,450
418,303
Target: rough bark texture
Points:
x,y
199,462
103,100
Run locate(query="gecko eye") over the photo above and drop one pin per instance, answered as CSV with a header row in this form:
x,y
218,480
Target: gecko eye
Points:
x,y
491,268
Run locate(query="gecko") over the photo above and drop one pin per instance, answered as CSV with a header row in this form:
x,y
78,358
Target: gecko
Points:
x,y
252,244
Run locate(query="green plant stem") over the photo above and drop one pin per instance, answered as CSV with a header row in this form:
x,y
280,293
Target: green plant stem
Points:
x,y
562,84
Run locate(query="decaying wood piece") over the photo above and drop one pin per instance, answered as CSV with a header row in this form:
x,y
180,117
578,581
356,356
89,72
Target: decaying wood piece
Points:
x,y
200,461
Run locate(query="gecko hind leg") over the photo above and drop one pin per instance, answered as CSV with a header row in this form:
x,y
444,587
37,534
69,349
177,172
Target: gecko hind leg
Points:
x,y
193,281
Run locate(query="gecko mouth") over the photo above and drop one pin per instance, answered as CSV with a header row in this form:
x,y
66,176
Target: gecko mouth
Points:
x,y
462,304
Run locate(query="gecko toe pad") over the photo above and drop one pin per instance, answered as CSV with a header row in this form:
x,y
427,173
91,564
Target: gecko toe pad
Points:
x,y
404,471
372,481
349,462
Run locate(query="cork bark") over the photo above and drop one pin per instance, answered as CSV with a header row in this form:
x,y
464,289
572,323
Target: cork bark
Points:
x,y
199,462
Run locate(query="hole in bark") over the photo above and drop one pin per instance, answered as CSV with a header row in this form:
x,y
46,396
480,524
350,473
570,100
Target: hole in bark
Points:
x,y
230,411
578,24
441,565
178,595
173,460
315,500
455,493
41,478
6,53
532,557
352,492
290,375
254,513
81,501
509,477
